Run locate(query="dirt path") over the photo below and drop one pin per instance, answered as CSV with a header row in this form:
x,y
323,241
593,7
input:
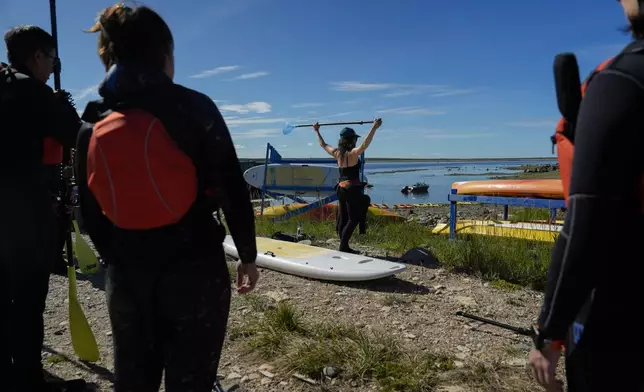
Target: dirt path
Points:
x,y
418,307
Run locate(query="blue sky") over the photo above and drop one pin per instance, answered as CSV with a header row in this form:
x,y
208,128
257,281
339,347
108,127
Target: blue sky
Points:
x,y
465,78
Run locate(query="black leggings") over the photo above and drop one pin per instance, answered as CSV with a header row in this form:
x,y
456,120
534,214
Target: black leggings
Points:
x,y
171,320
350,213
26,253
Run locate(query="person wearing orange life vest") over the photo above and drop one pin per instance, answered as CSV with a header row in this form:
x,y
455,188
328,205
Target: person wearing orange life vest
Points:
x,y
53,161
594,295
154,165
30,113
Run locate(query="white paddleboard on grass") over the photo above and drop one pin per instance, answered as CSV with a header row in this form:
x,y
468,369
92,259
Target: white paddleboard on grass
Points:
x,y
295,175
315,262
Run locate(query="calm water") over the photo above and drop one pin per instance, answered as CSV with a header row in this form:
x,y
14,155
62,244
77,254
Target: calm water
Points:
x,y
388,178
439,176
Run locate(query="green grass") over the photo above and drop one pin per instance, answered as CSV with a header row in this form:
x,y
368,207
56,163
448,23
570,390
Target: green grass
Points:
x,y
503,285
296,346
529,214
513,260
527,176
256,302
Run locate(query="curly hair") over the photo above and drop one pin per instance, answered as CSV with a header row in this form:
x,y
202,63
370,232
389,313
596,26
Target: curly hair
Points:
x,y
132,35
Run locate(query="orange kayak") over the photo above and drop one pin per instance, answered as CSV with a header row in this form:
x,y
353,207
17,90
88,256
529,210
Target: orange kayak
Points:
x,y
546,189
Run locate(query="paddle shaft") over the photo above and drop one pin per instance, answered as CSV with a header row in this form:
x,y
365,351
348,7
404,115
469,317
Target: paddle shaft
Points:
x,y
65,175
83,340
519,330
338,123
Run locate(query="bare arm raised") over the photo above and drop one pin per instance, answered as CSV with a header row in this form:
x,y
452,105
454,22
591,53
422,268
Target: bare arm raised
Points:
x,y
329,149
367,141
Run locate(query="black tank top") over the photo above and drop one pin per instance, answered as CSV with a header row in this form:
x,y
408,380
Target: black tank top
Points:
x,y
350,173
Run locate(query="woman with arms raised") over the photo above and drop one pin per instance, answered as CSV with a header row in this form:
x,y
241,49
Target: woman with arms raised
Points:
x,y
350,187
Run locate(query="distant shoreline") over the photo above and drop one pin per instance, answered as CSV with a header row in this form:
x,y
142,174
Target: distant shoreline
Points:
x,y
457,159
437,160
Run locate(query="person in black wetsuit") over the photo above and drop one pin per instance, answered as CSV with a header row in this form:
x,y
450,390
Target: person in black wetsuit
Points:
x,y
350,197
153,169
594,294
30,112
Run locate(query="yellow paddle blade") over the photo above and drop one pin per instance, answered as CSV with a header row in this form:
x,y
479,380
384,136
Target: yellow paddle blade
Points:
x,y
87,261
83,339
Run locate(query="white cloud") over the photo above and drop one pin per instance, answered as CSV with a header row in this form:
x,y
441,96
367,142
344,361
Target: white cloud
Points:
x,y
448,92
457,135
253,75
255,134
255,107
413,110
307,105
309,144
80,95
254,120
339,114
215,71
359,86
398,89
533,123
238,146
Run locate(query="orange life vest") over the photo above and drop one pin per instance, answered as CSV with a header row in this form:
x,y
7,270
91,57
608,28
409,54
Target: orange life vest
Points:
x,y
52,152
138,174
561,138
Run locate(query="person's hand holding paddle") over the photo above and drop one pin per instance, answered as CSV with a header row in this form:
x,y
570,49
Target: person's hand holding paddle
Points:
x,y
247,277
316,127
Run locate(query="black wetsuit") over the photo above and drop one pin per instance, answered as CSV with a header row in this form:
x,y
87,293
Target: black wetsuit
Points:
x,y
168,288
29,112
595,292
351,205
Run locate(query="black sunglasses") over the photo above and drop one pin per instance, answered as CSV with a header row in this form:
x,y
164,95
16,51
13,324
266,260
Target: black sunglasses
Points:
x,y
47,53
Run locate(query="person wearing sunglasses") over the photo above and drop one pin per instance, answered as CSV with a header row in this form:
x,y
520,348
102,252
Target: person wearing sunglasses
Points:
x,y
31,113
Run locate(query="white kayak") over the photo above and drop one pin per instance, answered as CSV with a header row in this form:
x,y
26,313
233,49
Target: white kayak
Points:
x,y
315,262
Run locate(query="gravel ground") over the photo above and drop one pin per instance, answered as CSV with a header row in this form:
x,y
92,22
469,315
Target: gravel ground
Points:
x,y
418,306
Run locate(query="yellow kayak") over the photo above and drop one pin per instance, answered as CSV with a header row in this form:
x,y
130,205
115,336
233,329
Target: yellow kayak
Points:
x,y
524,230
327,212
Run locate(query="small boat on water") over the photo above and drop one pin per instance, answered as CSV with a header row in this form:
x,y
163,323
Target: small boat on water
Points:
x,y
415,189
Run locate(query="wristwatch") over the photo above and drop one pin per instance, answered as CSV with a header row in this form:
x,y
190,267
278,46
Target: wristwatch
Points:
x,y
541,342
